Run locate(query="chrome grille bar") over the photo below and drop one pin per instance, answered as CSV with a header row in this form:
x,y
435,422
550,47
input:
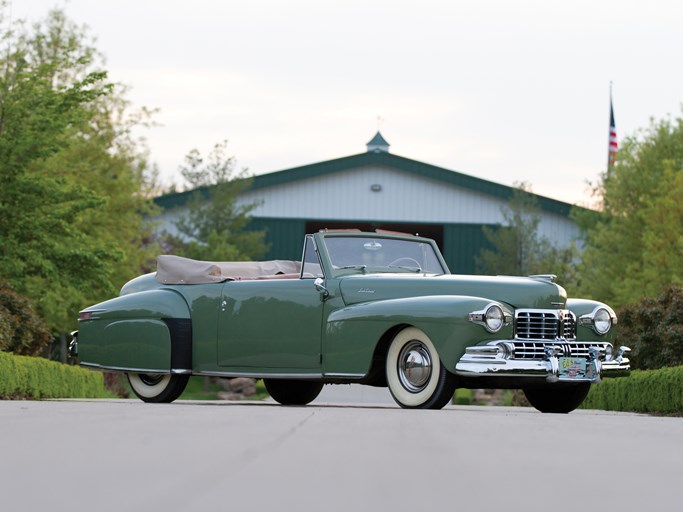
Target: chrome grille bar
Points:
x,y
545,324
569,327
536,349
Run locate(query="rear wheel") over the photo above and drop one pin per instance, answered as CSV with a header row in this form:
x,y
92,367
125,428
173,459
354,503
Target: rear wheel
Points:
x,y
157,388
293,392
416,377
558,398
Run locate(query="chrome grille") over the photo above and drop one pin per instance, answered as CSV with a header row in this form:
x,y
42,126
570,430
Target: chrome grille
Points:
x,y
536,349
537,328
568,327
545,324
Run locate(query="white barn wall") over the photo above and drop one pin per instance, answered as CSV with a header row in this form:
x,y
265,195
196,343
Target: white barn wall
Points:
x,y
404,197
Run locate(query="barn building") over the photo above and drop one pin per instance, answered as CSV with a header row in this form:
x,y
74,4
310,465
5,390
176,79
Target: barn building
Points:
x,y
378,189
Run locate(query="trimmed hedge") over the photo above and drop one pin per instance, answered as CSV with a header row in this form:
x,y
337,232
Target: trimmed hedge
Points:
x,y
36,378
648,391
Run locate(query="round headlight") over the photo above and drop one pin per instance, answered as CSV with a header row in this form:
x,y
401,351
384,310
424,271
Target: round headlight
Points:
x,y
494,318
602,321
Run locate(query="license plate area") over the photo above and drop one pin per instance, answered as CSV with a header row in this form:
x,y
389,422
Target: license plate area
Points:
x,y
572,367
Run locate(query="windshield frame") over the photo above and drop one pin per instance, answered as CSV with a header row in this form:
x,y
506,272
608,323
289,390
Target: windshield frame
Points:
x,y
331,270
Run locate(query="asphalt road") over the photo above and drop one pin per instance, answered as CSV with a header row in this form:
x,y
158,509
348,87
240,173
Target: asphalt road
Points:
x,y
234,456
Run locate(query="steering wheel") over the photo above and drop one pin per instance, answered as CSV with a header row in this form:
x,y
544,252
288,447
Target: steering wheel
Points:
x,y
405,262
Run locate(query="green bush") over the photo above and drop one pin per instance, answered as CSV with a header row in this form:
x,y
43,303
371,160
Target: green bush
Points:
x,y
36,378
22,331
462,396
653,329
648,391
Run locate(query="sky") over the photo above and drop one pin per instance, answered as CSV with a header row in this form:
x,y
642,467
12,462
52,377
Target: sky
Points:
x,y
509,91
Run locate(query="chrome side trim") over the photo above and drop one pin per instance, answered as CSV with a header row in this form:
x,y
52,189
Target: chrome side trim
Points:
x,y
102,367
544,277
262,375
253,375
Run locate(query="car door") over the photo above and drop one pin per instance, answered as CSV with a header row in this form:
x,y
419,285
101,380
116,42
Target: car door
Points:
x,y
274,323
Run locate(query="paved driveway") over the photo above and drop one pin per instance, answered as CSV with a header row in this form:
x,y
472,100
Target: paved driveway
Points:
x,y
126,455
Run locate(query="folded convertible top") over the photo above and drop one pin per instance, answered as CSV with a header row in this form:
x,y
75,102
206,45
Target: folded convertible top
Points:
x,y
178,270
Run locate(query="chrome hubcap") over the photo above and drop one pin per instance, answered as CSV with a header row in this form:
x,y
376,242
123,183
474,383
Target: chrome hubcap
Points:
x,y
414,366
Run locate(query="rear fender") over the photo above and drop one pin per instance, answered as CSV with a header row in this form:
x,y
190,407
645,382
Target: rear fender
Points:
x,y
149,331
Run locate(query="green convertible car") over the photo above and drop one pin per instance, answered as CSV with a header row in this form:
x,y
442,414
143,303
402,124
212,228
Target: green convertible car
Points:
x,y
378,308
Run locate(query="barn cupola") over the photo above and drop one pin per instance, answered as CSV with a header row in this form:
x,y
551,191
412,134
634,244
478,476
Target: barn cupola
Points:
x,y
378,144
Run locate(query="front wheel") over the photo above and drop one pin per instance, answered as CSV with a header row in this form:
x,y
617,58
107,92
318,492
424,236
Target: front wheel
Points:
x,y
293,392
558,398
155,388
416,377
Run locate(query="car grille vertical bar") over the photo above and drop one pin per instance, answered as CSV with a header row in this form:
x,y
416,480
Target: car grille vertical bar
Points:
x,y
537,328
568,330
545,324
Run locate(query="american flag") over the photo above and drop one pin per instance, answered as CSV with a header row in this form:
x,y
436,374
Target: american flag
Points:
x,y
613,145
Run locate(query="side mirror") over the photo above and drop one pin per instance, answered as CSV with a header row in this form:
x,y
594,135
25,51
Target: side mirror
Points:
x,y
319,284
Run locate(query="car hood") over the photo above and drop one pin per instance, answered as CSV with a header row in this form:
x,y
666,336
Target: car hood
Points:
x,y
518,292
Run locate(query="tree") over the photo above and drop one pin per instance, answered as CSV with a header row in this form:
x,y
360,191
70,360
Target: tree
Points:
x,y
74,180
22,331
653,328
215,225
634,248
517,247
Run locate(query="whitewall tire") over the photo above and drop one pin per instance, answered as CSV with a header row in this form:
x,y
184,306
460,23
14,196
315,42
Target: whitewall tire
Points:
x,y
157,388
415,375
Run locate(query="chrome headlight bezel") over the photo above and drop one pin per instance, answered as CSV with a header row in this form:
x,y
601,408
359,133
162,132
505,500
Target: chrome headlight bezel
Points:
x,y
601,320
493,317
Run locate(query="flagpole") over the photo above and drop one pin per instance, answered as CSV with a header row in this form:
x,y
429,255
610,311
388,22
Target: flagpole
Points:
x,y
612,145
609,136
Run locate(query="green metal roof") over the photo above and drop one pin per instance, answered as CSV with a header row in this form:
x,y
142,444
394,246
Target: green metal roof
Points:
x,y
378,140
380,159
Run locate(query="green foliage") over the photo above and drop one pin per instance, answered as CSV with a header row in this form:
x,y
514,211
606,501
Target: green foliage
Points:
x,y
516,245
653,329
517,248
36,378
74,180
462,396
647,391
635,247
22,331
205,388
215,226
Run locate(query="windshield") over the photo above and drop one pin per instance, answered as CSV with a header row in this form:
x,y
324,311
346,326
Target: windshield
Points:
x,y
382,255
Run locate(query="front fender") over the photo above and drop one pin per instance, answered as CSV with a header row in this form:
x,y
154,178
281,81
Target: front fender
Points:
x,y
352,333
581,307
149,331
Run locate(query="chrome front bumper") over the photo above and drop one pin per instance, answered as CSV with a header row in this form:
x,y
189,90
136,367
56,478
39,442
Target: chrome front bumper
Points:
x,y
496,360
